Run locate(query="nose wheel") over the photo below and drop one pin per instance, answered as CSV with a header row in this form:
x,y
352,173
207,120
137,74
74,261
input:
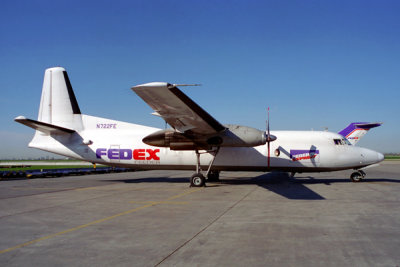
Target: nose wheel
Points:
x,y
357,176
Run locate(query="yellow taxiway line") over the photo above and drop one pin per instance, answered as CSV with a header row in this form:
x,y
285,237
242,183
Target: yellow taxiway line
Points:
x,y
149,204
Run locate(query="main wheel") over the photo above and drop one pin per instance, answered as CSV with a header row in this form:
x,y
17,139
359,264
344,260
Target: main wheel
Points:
x,y
197,180
213,176
356,177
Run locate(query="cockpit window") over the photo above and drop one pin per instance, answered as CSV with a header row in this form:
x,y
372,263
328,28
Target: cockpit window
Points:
x,y
347,142
341,142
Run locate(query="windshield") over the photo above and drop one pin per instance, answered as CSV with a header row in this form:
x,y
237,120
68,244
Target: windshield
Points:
x,y
342,142
347,141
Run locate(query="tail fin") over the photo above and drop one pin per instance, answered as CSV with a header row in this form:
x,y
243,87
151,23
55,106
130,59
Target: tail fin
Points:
x,y
356,130
59,120
58,105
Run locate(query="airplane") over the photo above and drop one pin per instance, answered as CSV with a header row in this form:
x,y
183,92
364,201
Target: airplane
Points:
x,y
196,141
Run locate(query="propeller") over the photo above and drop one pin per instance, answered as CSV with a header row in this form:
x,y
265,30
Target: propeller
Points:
x,y
270,138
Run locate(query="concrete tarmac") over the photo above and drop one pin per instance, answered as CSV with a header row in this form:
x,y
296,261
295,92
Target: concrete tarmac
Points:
x,y
154,218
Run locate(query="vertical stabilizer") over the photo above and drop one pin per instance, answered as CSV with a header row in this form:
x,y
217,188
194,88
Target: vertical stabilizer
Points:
x,y
58,105
356,130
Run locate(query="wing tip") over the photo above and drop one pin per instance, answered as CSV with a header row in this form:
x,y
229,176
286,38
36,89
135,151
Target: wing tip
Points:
x,y
20,118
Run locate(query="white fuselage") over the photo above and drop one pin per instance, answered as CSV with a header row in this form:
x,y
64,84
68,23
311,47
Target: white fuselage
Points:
x,y
118,143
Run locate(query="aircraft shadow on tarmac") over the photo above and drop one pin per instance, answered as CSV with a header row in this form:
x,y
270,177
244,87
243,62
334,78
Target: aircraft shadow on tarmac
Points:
x,y
280,183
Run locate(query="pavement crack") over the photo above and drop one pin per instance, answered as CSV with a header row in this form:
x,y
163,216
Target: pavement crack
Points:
x,y
207,226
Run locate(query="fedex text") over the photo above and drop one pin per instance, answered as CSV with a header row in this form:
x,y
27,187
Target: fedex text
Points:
x,y
297,155
127,154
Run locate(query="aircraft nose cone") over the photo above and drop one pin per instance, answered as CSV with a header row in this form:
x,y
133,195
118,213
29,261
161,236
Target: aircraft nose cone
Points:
x,y
370,157
380,157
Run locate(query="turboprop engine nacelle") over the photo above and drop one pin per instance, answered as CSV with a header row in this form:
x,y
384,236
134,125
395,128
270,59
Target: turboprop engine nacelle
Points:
x,y
232,136
169,138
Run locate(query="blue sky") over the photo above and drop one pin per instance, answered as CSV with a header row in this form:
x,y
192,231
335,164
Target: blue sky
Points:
x,y
315,63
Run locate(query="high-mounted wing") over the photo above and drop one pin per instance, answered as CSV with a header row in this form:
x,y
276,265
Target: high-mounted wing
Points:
x,y
177,109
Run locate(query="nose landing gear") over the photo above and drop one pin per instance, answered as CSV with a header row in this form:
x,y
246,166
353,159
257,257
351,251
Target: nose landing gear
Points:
x,y
357,176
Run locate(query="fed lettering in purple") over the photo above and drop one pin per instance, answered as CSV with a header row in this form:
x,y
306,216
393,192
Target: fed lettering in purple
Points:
x,y
297,154
127,154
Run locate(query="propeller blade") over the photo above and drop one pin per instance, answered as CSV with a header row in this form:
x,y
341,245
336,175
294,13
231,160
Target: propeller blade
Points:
x,y
268,123
268,138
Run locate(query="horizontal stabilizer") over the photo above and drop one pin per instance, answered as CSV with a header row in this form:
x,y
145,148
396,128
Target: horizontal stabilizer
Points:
x,y
43,127
367,125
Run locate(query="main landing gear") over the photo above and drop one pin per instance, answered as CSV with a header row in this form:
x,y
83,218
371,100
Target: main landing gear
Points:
x,y
357,176
198,179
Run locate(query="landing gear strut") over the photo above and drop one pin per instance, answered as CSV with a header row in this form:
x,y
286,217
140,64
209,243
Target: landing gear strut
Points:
x,y
198,179
357,176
